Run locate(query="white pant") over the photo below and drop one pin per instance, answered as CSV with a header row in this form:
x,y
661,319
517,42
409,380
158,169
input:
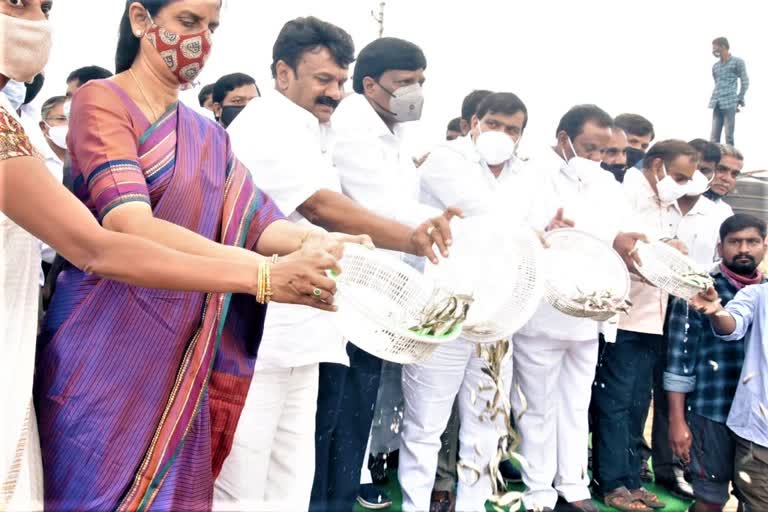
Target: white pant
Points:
x,y
429,390
555,378
272,463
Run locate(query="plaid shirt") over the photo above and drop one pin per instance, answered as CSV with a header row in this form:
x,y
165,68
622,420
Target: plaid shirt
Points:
x,y
725,95
704,367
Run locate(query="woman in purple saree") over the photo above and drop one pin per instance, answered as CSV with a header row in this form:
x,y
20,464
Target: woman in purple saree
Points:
x,y
138,391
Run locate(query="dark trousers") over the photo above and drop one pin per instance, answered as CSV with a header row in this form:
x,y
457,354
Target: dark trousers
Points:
x,y
345,406
620,400
664,461
723,118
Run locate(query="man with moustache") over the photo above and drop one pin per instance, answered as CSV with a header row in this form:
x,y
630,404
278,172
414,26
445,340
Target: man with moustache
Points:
x,y
285,139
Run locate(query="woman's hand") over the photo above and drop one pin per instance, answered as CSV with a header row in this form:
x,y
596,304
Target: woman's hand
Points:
x,y
333,243
300,278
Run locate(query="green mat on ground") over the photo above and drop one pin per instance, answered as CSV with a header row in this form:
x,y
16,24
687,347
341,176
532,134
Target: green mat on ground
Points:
x,y
393,489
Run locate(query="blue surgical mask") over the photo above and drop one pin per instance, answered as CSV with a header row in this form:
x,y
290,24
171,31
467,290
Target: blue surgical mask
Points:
x,y
15,92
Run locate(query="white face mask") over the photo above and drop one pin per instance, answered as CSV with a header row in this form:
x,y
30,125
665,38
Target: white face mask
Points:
x,y
584,168
58,135
15,92
406,103
668,189
495,147
26,46
698,184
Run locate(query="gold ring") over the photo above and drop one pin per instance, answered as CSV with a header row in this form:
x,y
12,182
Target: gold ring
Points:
x,y
317,292
430,229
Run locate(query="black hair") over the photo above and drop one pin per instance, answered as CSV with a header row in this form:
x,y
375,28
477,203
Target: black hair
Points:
x,y
669,150
722,41
49,105
634,124
33,88
454,125
385,54
206,91
471,102
502,103
228,83
308,34
127,42
574,120
709,151
86,74
740,222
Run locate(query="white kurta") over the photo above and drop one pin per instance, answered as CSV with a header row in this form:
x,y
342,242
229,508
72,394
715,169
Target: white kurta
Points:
x,y
288,154
20,466
555,355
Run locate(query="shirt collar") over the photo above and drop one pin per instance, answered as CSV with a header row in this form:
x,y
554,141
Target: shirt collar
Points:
x,y
290,108
366,118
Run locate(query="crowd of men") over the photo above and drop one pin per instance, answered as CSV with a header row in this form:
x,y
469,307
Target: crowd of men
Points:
x,y
321,411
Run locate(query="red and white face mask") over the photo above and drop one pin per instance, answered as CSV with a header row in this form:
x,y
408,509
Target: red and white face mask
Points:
x,y
185,55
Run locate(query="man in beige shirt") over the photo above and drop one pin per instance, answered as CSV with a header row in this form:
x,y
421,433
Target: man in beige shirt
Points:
x,y
623,383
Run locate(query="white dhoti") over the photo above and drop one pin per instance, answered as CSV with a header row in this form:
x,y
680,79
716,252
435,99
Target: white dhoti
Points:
x,y
453,371
555,377
272,463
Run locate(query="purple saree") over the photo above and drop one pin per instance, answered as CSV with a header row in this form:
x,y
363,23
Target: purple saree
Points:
x,y
138,391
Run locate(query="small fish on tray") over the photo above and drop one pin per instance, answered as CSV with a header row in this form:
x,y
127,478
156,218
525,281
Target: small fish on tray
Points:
x,y
701,280
604,301
443,315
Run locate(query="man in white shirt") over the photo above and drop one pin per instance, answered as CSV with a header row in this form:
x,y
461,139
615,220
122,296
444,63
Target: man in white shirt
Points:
x,y
284,139
481,174
622,391
54,125
377,172
555,355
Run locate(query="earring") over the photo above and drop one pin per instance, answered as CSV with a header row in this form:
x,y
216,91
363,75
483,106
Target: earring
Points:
x,y
138,33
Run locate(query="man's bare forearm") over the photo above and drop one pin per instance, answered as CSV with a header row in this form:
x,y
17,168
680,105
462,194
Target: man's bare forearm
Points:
x,y
336,212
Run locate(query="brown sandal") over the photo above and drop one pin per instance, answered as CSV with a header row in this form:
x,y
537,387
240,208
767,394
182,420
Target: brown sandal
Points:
x,y
648,498
622,499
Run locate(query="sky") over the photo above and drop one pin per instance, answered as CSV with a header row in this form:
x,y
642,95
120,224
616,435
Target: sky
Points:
x,y
649,57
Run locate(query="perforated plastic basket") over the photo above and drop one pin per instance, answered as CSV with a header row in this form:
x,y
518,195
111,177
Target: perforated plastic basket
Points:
x,y
665,267
379,299
581,264
497,263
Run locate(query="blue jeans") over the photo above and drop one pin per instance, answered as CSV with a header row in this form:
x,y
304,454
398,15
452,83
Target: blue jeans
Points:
x,y
345,405
723,118
620,400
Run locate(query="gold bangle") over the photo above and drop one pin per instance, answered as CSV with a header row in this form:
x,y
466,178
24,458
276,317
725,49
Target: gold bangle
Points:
x,y
261,287
268,288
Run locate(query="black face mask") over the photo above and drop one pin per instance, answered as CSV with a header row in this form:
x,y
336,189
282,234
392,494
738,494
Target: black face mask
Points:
x,y
634,156
618,170
34,88
714,196
228,114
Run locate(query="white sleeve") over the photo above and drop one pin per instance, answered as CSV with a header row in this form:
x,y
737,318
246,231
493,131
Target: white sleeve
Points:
x,y
446,176
285,163
366,177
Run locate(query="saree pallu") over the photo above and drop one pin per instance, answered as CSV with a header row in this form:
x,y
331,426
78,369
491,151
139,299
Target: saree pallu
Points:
x,y
138,391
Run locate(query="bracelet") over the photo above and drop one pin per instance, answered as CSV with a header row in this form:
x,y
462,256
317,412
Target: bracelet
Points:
x,y
304,237
264,286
